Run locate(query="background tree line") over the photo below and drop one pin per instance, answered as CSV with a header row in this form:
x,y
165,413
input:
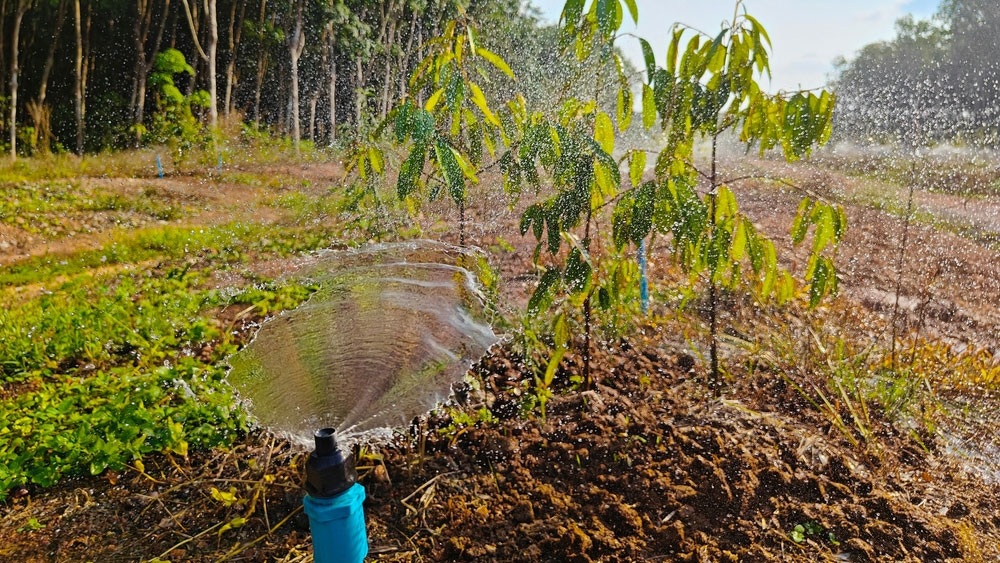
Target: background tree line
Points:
x,y
89,75
938,79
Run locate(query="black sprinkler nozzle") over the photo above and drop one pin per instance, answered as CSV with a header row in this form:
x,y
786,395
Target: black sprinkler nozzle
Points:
x,y
329,470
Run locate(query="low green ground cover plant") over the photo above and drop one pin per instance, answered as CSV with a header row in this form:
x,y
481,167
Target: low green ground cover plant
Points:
x,y
109,368
230,242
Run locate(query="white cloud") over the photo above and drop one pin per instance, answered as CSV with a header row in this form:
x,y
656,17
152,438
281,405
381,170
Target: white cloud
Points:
x,y
807,35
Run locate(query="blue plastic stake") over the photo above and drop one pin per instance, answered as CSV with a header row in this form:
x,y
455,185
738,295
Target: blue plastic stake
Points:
x,y
338,526
643,283
159,166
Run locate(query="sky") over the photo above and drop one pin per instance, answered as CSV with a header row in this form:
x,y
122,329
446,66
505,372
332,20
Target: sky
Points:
x,y
806,35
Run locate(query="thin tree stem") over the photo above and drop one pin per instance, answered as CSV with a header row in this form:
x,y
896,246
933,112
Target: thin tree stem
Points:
x,y
715,381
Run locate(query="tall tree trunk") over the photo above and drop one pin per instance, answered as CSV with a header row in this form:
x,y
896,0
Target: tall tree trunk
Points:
x,y
78,78
212,47
235,33
387,73
333,97
261,68
22,7
3,52
312,116
139,30
146,66
404,57
51,56
88,61
295,46
208,54
359,84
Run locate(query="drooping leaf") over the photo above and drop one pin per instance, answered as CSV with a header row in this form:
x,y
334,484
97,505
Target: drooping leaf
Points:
x,y
633,10
800,225
451,170
648,107
496,61
636,166
604,132
578,271
432,102
649,58
423,127
480,100
542,295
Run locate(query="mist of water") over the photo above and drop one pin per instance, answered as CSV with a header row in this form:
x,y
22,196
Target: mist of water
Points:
x,y
391,329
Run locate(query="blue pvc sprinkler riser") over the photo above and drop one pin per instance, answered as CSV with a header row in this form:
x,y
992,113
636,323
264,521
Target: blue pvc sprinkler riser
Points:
x,y
338,526
643,283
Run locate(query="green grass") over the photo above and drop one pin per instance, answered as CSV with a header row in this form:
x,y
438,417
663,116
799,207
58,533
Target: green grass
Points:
x,y
109,368
59,208
110,353
231,242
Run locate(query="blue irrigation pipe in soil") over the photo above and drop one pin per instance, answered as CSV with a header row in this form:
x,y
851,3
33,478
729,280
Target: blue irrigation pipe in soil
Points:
x,y
334,502
159,166
643,283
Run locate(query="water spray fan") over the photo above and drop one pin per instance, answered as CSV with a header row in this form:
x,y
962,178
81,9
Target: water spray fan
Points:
x,y
334,503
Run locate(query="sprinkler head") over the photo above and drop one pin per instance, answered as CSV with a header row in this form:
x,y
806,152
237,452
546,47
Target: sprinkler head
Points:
x,y
329,470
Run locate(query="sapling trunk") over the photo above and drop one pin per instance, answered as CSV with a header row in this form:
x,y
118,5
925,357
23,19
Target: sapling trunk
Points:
x,y
586,311
715,381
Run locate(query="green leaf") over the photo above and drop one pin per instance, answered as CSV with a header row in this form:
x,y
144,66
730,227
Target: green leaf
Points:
x,y
578,271
648,107
604,132
649,58
232,524
759,28
672,51
642,212
542,295
738,247
432,102
451,170
467,168
800,225
785,288
423,127
472,37
376,159
553,366
770,267
819,283
404,121
633,10
604,298
624,108
606,16
480,100
571,13
636,166
409,172
496,61
718,59
823,217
